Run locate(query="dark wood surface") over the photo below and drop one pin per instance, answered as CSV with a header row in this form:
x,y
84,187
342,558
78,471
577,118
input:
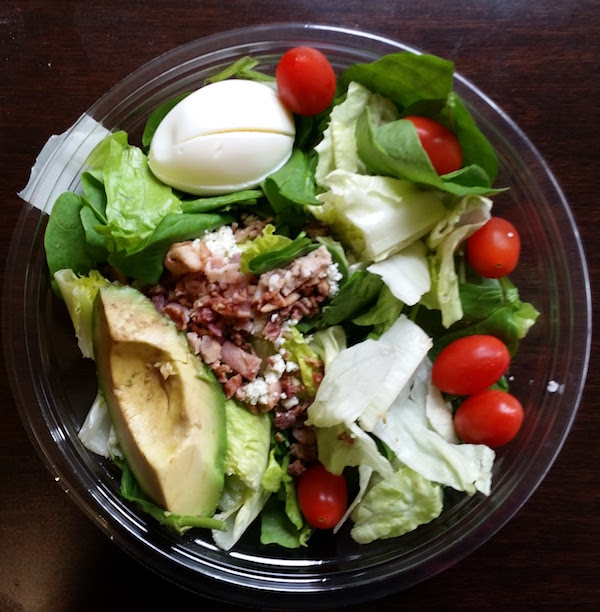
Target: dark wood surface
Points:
x,y
538,60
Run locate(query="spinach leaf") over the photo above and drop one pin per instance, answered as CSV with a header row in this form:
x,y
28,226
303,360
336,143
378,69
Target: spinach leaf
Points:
x,y
95,241
157,115
476,148
242,68
224,202
403,77
301,245
94,194
382,315
394,149
356,295
146,265
289,190
65,240
490,307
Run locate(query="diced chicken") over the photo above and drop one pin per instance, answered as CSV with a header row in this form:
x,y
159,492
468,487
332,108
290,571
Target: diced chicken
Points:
x,y
186,257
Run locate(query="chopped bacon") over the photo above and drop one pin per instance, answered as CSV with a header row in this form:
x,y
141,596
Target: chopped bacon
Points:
x,y
178,313
232,385
210,349
246,364
220,308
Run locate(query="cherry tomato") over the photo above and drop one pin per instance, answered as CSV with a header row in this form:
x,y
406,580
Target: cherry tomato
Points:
x,y
305,81
493,250
323,497
492,417
440,144
470,364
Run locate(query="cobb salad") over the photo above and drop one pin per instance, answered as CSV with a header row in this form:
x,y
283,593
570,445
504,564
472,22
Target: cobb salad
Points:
x,y
297,299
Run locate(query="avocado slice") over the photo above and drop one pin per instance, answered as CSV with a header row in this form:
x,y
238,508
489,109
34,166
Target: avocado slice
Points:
x,y
167,407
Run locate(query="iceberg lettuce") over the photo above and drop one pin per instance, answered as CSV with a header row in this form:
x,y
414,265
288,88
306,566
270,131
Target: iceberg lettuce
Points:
x,y
407,432
342,446
362,381
337,149
375,216
406,273
396,505
445,238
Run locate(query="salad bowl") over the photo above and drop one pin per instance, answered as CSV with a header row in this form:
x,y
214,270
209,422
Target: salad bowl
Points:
x,y
54,386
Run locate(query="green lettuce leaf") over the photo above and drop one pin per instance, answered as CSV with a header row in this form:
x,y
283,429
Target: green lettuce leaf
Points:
x,y
300,352
267,242
341,446
276,528
362,381
374,216
414,499
136,201
446,237
327,343
79,293
405,273
394,149
131,491
248,443
407,431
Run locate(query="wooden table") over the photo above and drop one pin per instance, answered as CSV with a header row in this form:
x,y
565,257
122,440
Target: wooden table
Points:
x,y
538,60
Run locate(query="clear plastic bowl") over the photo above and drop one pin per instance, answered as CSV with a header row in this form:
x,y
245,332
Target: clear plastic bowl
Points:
x,y
54,386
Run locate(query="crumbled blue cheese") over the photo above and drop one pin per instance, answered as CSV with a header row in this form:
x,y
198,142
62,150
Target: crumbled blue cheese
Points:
x,y
221,242
334,276
257,391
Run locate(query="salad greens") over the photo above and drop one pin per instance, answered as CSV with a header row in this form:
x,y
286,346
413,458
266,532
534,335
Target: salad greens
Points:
x,y
395,230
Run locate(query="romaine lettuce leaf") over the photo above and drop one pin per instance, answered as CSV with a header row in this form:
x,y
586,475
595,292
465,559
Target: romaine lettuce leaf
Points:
x,y
327,343
131,491
300,352
97,433
239,517
248,442
337,149
276,528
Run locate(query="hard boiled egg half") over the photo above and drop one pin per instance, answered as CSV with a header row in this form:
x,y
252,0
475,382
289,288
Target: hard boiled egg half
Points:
x,y
224,137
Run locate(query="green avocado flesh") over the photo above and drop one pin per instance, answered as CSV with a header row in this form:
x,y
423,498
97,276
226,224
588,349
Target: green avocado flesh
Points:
x,y
166,406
